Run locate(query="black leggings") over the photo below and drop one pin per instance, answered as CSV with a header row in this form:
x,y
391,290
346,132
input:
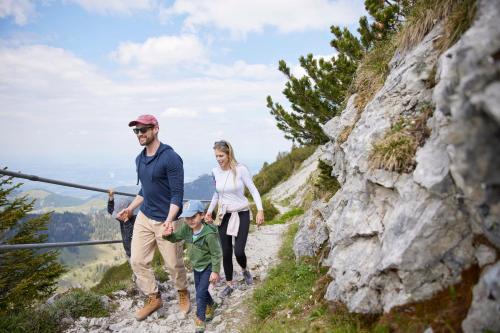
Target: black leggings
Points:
x,y
239,244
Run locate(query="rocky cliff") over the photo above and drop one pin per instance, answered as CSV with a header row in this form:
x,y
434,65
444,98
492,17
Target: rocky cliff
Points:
x,y
401,237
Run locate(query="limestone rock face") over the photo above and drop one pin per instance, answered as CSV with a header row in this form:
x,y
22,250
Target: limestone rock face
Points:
x,y
397,238
484,312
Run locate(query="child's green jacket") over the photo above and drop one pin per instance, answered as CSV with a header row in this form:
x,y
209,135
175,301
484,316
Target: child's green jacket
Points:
x,y
205,250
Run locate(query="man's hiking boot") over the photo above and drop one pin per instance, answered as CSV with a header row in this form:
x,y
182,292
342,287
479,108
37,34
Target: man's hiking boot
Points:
x,y
184,303
210,311
227,291
199,325
152,304
248,277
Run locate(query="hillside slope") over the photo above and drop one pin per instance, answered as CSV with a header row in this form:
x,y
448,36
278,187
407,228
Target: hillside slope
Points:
x,y
401,237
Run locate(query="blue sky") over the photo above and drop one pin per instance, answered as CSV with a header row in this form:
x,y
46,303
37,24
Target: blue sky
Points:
x,y
73,73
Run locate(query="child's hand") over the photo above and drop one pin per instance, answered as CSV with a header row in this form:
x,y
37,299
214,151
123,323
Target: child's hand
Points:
x,y
208,218
169,229
214,277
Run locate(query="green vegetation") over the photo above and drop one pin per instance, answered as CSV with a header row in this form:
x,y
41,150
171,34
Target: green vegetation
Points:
x,y
326,184
26,275
115,278
49,318
320,95
269,210
286,216
291,298
286,163
395,151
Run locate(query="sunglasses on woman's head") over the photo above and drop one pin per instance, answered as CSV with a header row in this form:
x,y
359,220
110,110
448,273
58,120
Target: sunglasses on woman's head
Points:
x,y
142,130
221,142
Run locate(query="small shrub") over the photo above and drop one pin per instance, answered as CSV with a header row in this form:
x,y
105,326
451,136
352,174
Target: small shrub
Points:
x,y
326,184
395,151
270,211
78,303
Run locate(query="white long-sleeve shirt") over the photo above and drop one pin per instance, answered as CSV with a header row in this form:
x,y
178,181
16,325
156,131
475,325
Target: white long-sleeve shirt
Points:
x,y
233,192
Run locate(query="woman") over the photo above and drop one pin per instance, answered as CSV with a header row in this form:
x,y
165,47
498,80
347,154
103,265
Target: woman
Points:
x,y
231,178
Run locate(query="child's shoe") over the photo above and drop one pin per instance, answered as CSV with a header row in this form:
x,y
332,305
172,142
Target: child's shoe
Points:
x,y
199,325
226,292
210,311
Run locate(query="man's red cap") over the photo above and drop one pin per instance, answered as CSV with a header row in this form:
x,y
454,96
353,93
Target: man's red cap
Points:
x,y
145,119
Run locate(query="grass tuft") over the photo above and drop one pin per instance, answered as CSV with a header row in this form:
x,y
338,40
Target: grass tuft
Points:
x,y
457,16
372,72
395,151
286,216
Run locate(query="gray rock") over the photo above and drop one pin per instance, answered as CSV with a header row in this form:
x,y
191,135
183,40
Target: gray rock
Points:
x,y
485,255
399,238
484,313
313,233
467,93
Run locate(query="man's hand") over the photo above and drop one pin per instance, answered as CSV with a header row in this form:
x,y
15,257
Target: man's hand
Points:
x,y
169,229
124,215
214,277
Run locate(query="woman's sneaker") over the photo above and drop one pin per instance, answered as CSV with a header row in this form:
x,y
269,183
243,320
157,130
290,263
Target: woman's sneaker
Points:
x,y
210,311
226,292
248,277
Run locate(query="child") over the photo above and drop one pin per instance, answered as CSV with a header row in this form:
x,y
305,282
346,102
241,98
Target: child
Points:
x,y
127,226
205,254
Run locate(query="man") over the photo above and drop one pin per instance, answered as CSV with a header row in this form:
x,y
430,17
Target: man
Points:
x,y
161,174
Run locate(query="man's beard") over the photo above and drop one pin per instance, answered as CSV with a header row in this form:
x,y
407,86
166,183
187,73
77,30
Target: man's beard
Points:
x,y
148,141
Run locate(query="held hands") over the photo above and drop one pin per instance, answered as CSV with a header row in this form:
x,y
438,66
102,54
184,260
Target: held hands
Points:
x,y
214,277
259,219
169,229
208,218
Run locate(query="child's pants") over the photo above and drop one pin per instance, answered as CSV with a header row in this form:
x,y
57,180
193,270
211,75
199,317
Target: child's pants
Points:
x,y
203,298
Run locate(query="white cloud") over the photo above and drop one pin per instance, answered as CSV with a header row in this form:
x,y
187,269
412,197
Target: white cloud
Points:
x,y
243,70
161,51
54,102
179,113
216,109
21,10
120,7
241,16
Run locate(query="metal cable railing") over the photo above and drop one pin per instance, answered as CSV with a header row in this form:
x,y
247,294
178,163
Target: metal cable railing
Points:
x,y
11,247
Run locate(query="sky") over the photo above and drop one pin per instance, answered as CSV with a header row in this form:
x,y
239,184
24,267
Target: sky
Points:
x,y
73,73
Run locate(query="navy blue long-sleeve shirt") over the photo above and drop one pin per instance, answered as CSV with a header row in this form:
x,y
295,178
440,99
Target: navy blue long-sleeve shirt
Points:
x,y
162,182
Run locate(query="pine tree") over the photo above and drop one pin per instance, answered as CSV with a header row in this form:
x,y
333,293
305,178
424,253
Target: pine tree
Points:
x,y
319,95
26,275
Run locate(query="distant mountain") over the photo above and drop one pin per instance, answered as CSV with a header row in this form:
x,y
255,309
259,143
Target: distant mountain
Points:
x,y
44,198
201,188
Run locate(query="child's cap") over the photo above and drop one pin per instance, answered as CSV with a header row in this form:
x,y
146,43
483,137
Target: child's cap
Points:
x,y
192,207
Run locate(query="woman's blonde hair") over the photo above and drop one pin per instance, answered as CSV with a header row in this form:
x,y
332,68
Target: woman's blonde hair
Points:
x,y
226,148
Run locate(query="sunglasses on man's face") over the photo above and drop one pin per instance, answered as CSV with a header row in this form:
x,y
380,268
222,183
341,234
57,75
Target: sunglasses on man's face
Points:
x,y
142,130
